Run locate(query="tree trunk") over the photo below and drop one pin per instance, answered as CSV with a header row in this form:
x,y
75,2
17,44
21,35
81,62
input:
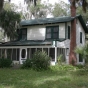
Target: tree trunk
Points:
x,y
72,55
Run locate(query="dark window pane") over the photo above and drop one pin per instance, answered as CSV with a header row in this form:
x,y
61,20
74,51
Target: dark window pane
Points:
x,y
23,53
9,51
48,35
68,32
55,35
28,53
55,29
52,54
52,32
33,50
24,37
80,58
39,49
18,51
14,54
80,37
48,30
24,31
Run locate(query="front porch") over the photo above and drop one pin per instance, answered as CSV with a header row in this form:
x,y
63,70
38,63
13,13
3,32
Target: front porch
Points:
x,y
20,54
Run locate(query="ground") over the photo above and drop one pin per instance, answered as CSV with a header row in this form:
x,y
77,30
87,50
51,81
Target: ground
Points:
x,y
56,77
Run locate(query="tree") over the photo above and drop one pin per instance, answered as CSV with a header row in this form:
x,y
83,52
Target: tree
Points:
x,y
9,21
83,51
27,1
63,9
39,11
72,54
9,6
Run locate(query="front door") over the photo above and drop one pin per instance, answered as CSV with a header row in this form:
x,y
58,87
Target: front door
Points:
x,y
23,55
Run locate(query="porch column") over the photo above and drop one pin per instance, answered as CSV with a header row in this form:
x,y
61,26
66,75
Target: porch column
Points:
x,y
12,54
16,53
5,53
55,54
42,49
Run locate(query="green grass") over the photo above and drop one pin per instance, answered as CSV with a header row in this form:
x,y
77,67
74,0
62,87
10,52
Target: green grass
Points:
x,y
56,77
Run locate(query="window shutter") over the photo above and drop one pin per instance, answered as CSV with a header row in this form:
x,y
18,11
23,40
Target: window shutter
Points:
x,y
68,32
80,37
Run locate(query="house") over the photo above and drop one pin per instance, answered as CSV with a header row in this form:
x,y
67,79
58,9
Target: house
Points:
x,y
52,35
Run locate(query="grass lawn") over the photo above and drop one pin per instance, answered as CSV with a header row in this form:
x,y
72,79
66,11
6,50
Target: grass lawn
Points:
x,y
54,78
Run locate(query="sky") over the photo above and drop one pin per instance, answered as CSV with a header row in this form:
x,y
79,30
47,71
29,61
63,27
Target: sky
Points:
x,y
22,1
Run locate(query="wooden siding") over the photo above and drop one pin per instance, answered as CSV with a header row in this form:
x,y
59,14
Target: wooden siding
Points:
x,y
78,30
39,32
64,44
36,33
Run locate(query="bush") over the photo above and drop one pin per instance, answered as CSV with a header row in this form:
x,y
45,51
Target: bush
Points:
x,y
4,62
80,66
59,59
40,60
27,63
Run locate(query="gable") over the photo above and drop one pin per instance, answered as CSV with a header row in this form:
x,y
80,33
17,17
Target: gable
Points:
x,y
83,24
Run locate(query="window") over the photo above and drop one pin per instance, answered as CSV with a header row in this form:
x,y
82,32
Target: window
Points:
x,y
52,32
80,37
68,32
80,58
48,33
24,34
23,54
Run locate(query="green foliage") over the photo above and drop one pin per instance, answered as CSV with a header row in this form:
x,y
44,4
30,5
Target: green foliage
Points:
x,y
83,51
80,66
60,9
4,62
52,78
27,63
41,10
59,59
63,67
9,6
9,21
40,60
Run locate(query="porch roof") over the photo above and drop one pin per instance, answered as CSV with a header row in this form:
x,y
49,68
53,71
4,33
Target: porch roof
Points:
x,y
54,20
26,43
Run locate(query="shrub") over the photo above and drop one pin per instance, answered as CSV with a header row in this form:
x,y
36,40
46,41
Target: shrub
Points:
x,y
4,62
59,59
40,60
27,63
80,66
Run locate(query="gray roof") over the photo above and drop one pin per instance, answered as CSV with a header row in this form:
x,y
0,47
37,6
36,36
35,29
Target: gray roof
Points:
x,y
27,43
45,21
54,20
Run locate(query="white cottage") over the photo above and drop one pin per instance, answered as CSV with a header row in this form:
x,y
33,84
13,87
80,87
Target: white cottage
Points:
x,y
52,35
